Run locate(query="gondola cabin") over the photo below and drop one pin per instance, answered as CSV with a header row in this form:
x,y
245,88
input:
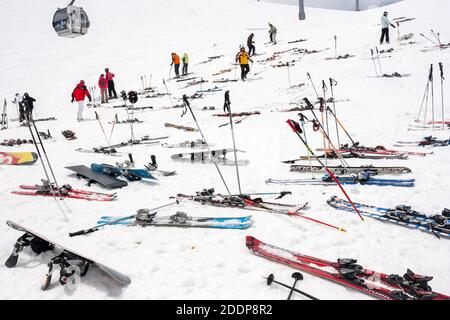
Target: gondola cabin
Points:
x,y
71,21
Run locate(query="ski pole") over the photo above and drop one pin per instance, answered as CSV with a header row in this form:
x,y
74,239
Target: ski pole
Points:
x,y
425,95
332,84
374,63
101,126
296,128
432,101
227,108
170,71
429,39
302,120
379,61
324,107
168,93
312,83
335,46
344,163
297,276
437,37
271,279
188,105
142,82
441,67
289,75
96,228
341,125
112,129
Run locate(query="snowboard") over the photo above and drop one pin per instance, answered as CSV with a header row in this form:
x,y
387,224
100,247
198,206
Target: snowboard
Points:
x,y
66,259
131,174
18,158
100,178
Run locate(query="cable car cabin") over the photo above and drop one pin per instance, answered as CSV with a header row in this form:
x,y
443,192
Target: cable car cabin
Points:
x,y
71,22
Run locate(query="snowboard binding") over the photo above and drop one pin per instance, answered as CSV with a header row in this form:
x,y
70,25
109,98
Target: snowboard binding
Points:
x,y
69,263
37,245
144,215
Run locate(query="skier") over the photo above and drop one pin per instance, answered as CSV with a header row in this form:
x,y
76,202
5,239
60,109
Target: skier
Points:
x,y
103,85
385,23
185,59
18,101
242,57
272,33
250,44
111,87
28,106
176,62
79,94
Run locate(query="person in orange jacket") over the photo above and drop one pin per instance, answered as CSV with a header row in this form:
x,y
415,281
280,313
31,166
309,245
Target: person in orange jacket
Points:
x,y
176,62
79,94
103,85
243,58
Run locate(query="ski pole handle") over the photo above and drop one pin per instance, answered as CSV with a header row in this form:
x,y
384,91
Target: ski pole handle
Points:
x,y
81,232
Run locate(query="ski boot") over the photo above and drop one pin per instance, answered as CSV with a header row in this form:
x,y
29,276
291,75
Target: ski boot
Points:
x,y
179,217
144,215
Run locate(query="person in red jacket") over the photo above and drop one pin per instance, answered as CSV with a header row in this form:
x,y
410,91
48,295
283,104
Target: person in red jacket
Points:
x,y
79,94
103,85
111,89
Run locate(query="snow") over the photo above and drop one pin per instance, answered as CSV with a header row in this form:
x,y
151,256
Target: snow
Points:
x,y
135,38
338,4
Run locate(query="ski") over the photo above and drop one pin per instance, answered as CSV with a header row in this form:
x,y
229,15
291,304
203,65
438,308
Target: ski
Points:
x,y
239,114
377,150
427,141
350,155
363,178
194,144
180,219
208,197
66,191
347,170
347,273
204,155
438,225
176,126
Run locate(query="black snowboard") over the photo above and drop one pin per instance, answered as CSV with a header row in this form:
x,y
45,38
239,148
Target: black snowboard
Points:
x,y
67,260
100,178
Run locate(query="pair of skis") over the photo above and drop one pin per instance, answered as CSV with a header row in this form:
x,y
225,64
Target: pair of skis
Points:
x,y
66,191
348,273
438,225
363,178
348,170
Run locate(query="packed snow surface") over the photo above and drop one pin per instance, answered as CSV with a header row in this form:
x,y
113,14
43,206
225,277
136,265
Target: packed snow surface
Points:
x,y
135,38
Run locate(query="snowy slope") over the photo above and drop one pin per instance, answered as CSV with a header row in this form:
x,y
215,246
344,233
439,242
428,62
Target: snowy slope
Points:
x,y
135,38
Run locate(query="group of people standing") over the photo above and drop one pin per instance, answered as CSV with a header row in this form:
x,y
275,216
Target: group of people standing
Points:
x,y
107,91
25,104
176,63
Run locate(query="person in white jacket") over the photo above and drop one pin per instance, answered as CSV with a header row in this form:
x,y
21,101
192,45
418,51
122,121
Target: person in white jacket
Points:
x,y
385,23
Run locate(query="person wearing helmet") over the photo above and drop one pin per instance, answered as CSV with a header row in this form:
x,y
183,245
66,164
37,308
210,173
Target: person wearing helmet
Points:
x,y
111,86
272,33
251,44
242,57
176,62
28,105
385,23
79,94
185,59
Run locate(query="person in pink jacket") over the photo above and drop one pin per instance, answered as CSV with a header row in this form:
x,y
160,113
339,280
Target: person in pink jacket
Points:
x,y
111,88
103,85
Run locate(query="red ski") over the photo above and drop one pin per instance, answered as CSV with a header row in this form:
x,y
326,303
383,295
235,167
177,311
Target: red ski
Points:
x,y
66,192
346,272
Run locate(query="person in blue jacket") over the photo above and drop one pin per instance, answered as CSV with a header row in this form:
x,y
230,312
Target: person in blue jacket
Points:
x,y
385,23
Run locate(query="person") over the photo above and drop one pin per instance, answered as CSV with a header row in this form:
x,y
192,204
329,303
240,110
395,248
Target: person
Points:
x,y
111,87
28,105
18,101
79,94
250,45
103,85
385,23
176,62
185,59
242,57
272,33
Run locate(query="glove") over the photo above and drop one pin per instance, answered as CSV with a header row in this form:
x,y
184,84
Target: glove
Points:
x,y
90,100
393,26
72,100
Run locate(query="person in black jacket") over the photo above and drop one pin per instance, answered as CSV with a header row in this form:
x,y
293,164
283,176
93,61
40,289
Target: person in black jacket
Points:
x,y
29,106
250,45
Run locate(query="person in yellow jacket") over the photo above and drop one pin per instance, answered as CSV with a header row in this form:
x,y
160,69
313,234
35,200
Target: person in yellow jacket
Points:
x,y
243,58
185,60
